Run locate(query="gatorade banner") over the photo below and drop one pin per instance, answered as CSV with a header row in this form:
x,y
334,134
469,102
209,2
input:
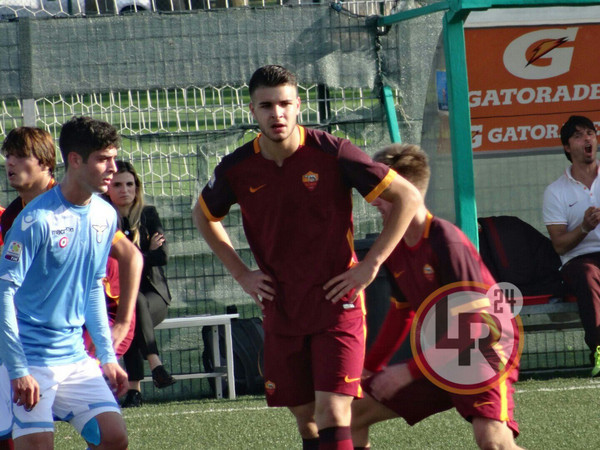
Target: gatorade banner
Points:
x,y
525,82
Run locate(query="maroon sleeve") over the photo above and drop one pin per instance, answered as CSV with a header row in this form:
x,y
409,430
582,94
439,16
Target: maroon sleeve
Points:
x,y
217,196
359,171
392,333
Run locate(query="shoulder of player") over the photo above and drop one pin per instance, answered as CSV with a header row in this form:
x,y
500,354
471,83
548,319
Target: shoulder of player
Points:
x,y
445,234
324,141
239,155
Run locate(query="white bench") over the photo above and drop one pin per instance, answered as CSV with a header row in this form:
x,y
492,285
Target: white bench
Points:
x,y
220,371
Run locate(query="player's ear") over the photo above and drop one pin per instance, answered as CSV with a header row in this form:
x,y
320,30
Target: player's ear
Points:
x,y
75,159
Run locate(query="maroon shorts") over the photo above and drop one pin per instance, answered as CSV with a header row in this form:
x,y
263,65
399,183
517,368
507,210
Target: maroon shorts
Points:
x,y
422,399
328,361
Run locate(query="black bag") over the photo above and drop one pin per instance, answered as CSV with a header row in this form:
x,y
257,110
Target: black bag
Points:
x,y
248,340
517,253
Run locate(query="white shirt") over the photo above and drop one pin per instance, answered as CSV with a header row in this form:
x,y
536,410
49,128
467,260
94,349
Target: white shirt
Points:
x,y
565,202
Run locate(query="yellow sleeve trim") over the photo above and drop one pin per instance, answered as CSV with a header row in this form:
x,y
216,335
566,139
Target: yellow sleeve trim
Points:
x,y
399,305
382,186
206,211
117,237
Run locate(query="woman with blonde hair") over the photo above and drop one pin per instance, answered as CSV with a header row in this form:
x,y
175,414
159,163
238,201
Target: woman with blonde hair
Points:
x,y
141,224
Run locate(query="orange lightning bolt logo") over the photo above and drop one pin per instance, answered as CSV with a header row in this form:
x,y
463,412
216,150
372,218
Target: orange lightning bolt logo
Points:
x,y
544,48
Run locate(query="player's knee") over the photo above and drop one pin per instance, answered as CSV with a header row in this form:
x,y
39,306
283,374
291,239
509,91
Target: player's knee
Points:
x,y
493,435
334,410
112,435
115,441
305,421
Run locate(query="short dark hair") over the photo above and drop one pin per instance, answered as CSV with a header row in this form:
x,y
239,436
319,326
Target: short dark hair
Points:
x,y
271,76
24,142
410,161
84,135
570,127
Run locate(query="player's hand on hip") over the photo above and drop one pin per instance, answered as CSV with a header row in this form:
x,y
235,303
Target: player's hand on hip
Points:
x,y
26,391
117,378
258,285
390,380
356,278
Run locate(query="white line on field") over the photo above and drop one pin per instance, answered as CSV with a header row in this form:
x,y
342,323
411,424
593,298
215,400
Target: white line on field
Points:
x,y
592,385
204,411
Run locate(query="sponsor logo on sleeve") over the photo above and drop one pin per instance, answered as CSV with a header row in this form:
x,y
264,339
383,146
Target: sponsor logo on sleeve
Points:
x,y
14,251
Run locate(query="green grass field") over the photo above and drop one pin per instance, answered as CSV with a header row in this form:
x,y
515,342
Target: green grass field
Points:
x,y
553,414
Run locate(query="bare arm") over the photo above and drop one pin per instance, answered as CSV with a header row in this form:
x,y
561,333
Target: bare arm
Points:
x,y
254,282
563,240
405,199
131,264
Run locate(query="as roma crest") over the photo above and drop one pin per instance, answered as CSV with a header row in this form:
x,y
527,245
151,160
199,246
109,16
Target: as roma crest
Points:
x,y
310,180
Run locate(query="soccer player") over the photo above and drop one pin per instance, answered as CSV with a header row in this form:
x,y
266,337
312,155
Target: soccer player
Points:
x,y
433,253
51,274
30,163
293,185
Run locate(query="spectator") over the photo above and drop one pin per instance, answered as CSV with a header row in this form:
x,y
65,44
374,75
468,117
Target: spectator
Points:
x,y
294,185
400,390
50,285
141,224
571,214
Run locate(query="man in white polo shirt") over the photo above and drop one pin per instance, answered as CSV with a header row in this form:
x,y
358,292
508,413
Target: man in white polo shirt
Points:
x,y
571,214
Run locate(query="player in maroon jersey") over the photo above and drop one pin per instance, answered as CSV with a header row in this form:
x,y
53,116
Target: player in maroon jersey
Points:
x,y
432,254
293,185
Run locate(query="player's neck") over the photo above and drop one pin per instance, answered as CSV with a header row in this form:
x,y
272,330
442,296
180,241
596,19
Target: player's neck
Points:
x,y
278,151
416,228
37,188
74,192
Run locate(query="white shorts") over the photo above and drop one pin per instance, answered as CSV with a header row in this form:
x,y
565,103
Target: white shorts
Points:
x,y
73,393
6,415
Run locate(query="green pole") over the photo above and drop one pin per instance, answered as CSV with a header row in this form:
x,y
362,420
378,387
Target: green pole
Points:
x,y
460,129
390,114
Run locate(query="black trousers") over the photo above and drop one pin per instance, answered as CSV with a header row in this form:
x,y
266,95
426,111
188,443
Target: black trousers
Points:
x,y
150,310
582,278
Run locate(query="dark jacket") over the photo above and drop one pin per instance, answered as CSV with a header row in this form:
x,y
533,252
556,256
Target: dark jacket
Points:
x,y
153,275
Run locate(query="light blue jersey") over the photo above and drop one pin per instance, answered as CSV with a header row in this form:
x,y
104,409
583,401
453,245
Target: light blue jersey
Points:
x,y
55,257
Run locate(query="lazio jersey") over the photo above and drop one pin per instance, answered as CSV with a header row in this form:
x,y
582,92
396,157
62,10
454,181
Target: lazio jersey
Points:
x,y
55,255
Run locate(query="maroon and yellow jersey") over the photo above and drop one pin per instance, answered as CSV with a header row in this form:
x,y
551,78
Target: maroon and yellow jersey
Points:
x,y
443,255
112,295
298,220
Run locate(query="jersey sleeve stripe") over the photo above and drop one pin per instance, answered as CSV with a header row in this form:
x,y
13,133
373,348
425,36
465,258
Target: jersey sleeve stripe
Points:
x,y
117,237
399,304
206,211
382,186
